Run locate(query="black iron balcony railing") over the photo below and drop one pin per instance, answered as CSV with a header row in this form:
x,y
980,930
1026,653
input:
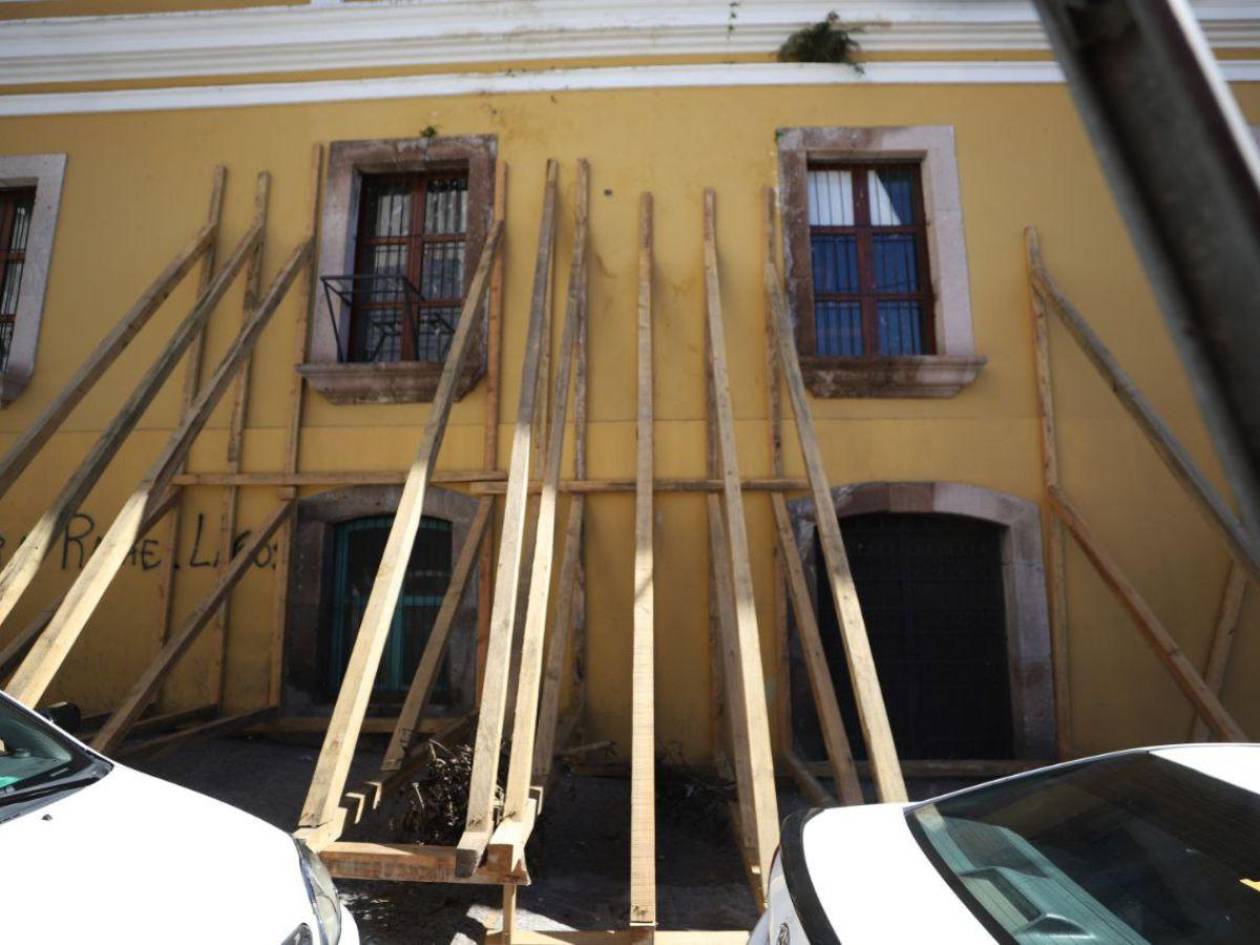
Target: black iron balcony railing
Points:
x,y
386,318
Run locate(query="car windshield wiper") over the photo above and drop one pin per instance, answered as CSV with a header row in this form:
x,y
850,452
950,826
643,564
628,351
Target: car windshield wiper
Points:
x,y
89,775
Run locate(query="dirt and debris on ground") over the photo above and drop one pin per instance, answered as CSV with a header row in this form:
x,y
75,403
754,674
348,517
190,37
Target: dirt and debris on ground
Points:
x,y
434,804
578,858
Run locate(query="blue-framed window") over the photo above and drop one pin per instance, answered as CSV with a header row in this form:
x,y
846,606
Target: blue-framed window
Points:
x,y
868,252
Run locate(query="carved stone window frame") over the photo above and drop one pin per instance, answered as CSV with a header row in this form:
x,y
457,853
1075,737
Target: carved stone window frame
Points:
x,y
1023,578
348,162
46,173
955,363
310,582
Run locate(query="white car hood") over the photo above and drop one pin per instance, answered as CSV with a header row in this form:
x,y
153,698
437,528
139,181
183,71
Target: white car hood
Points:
x,y
131,859
879,886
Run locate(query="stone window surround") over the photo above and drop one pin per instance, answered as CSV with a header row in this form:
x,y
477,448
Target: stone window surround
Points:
x,y
348,161
955,363
46,173
308,616
1023,575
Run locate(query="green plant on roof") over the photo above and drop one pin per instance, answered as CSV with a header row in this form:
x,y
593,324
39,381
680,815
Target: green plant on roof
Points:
x,y
829,40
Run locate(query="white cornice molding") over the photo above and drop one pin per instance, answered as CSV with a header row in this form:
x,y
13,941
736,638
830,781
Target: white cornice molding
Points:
x,y
392,33
245,95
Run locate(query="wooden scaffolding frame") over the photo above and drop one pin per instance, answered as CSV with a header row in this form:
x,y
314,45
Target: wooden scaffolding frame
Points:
x,y
524,671
1203,694
47,640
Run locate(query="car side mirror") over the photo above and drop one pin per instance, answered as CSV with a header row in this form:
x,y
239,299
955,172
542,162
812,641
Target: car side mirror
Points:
x,y
65,715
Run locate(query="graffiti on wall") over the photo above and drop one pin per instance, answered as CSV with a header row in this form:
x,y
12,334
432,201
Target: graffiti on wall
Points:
x,y
81,536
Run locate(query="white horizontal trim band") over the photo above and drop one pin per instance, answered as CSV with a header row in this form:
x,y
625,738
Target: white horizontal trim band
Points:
x,y
553,80
451,32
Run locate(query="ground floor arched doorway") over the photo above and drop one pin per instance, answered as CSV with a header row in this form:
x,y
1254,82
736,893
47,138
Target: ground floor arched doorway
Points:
x,y
951,583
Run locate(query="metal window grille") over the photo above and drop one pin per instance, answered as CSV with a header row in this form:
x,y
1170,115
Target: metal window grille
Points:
x,y
16,207
404,297
868,249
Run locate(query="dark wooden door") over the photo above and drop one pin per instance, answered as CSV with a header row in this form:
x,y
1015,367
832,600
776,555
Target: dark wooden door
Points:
x,y
931,591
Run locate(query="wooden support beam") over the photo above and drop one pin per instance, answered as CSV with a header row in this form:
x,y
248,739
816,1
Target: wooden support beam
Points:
x,y
969,768
729,680
320,813
603,486
21,568
435,647
411,863
558,646
16,648
479,482
759,776
513,833
810,786
533,636
192,380
235,443
643,668
217,728
292,446
1242,545
574,596
1056,557
495,684
318,724
143,692
748,856
50,650
150,724
291,480
1222,641
1205,701
490,450
857,647
28,445
829,720
774,429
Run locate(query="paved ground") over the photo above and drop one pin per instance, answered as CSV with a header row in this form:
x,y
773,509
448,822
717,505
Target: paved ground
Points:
x,y
578,857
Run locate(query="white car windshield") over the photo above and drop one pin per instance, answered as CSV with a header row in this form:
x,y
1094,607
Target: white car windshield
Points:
x,y
37,761
1132,849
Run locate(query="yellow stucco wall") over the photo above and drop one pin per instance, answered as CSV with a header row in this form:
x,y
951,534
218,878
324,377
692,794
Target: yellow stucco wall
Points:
x,y
137,187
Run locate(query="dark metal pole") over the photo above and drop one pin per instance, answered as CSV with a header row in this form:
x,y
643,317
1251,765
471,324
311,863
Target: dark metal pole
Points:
x,y
1186,175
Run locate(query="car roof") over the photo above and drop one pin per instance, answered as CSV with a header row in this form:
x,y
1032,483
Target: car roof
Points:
x,y
1238,765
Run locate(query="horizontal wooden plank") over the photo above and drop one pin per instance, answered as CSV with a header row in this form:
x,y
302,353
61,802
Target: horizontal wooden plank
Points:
x,y
331,477
411,863
218,728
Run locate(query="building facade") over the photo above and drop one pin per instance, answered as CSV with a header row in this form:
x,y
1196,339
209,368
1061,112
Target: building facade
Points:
x,y
903,193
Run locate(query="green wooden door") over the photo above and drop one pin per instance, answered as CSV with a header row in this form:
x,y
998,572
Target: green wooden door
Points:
x,y
357,549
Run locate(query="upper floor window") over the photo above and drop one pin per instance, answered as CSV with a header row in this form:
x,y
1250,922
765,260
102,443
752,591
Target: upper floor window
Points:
x,y
30,202
16,205
868,249
402,226
408,283
876,261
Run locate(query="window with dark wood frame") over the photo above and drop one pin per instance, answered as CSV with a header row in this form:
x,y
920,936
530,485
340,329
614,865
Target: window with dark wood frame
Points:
x,y
410,251
16,206
871,281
